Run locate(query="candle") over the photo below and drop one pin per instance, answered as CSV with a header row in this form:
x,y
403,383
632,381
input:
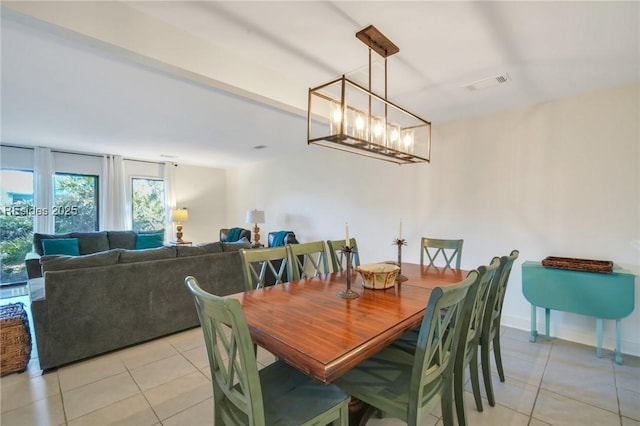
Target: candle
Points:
x,y
400,233
346,233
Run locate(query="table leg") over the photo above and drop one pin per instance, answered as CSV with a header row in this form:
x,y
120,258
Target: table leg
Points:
x,y
547,317
618,353
534,330
599,337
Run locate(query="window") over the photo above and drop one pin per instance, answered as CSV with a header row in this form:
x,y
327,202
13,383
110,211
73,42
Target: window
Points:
x,y
76,203
148,204
16,223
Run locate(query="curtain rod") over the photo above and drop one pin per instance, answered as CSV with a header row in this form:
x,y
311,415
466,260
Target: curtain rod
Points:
x,y
87,154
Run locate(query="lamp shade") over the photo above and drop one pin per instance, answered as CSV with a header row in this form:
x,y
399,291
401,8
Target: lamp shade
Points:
x,y
255,216
180,215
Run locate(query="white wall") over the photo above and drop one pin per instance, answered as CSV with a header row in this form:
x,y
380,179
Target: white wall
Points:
x,y
560,178
204,192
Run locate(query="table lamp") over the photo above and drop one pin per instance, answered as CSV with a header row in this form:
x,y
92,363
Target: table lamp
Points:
x,y
255,216
179,216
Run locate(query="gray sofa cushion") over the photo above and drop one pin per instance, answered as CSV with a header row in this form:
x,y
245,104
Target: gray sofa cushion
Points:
x,y
240,244
130,256
37,240
122,239
215,247
198,250
59,263
91,242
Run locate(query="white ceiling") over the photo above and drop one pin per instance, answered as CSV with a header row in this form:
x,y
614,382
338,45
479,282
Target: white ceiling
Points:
x,y
207,81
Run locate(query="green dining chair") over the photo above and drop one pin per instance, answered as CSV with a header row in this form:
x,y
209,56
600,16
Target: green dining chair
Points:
x,y
408,386
338,259
448,250
467,354
243,395
491,326
308,259
256,263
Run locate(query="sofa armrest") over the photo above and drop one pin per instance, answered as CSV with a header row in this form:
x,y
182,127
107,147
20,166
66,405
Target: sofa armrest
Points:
x,y
32,262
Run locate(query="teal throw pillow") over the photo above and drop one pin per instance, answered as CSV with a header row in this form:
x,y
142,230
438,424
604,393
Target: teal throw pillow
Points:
x,y
68,246
146,241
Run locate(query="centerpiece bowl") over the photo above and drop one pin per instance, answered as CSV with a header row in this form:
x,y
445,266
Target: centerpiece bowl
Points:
x,y
378,275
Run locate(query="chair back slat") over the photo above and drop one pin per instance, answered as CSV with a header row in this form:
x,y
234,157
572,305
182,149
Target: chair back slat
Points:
x,y
495,299
308,259
450,251
338,258
256,262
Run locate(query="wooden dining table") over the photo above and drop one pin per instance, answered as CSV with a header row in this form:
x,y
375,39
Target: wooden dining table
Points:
x,y
306,324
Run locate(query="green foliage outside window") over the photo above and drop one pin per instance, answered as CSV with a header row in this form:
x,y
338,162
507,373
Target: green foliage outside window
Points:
x,y
16,223
76,203
148,204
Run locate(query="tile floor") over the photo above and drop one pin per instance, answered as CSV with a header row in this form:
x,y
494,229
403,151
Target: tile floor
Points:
x,y
167,382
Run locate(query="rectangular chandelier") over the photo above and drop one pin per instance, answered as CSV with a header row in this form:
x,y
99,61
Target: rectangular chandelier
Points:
x,y
347,116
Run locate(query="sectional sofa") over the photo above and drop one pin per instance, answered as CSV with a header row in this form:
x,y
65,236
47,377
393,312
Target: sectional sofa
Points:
x,y
99,302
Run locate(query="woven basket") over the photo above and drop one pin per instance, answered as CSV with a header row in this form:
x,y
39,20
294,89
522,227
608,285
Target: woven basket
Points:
x,y
587,265
15,339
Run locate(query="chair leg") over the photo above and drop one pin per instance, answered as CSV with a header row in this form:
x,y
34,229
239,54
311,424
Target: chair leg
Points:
x,y
446,403
497,355
475,382
458,391
486,371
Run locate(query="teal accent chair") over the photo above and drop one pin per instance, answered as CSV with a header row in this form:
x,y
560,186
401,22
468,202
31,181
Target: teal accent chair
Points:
x,y
256,263
446,250
491,327
244,395
408,386
308,259
338,259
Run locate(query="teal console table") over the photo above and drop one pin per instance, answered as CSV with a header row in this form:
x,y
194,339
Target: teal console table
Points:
x,y
600,295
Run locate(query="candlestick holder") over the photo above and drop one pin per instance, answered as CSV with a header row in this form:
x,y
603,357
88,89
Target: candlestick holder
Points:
x,y
348,293
400,242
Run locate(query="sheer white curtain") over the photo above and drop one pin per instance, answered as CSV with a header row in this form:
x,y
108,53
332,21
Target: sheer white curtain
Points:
x,y
169,198
43,192
115,213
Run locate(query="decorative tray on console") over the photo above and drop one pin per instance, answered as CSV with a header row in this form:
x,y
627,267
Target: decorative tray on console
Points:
x,y
587,265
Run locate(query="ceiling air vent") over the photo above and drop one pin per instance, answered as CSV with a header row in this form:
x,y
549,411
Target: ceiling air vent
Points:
x,y
488,82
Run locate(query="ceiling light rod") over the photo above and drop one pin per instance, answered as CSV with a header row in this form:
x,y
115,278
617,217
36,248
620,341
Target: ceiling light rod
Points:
x,y
346,116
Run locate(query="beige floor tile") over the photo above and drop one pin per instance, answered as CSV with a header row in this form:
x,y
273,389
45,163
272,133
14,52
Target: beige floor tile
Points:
x,y
162,371
134,411
559,410
48,411
264,357
628,374
187,339
522,348
146,353
389,421
527,371
589,385
536,422
206,371
178,395
579,354
199,415
492,416
511,394
97,395
629,404
84,372
197,356
629,422
19,390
